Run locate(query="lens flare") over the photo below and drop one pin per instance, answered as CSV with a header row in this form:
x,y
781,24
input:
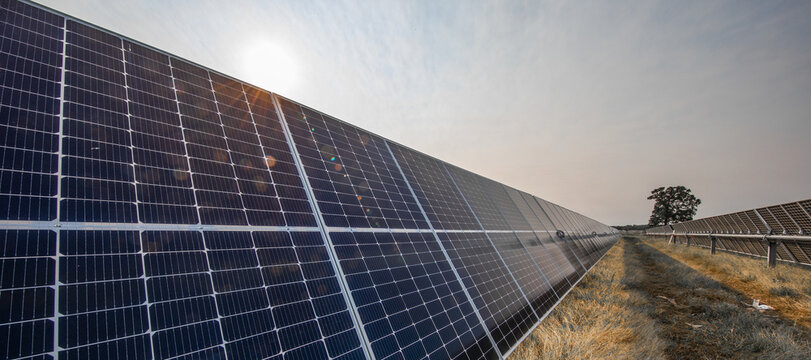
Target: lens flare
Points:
x,y
271,161
181,175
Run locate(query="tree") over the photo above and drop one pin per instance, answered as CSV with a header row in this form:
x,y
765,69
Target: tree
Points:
x,y
672,204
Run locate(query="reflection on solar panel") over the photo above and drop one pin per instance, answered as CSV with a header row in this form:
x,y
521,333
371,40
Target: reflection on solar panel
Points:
x,y
153,208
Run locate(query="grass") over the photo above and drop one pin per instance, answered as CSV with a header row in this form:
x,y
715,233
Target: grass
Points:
x,y
786,288
599,319
643,303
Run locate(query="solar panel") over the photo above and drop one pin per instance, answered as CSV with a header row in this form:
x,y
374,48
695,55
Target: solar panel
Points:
x,y
529,277
501,303
478,199
31,53
526,211
408,298
151,208
352,173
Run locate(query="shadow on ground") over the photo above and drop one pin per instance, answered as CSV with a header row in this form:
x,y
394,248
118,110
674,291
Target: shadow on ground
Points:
x,y
700,318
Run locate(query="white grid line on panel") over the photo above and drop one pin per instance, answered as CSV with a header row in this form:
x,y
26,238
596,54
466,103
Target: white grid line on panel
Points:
x,y
447,257
58,193
493,244
523,246
554,306
566,243
366,344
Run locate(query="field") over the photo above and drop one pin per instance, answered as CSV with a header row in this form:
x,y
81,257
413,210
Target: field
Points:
x,y
648,300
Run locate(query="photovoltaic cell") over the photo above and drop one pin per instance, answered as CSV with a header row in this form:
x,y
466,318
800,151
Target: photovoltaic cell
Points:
x,y
27,296
182,306
98,182
278,159
31,42
408,297
551,259
213,174
472,187
246,294
443,203
529,277
573,249
163,179
151,208
505,311
543,218
102,295
580,246
525,210
506,205
352,173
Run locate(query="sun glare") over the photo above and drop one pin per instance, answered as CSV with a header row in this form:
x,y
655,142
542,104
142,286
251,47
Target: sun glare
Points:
x,y
271,66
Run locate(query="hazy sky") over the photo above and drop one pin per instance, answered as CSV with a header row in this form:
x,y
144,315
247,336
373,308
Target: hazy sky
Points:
x,y
587,104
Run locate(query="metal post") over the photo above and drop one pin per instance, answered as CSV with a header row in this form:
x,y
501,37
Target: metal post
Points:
x,y
672,235
688,240
772,255
713,243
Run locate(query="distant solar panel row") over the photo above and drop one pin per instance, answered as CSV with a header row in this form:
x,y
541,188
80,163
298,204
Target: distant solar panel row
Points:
x,y
151,208
745,232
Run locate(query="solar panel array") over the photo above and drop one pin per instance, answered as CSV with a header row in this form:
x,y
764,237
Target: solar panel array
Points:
x,y
747,232
151,208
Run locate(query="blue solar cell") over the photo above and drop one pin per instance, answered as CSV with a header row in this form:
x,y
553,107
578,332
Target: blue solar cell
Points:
x,y
354,178
26,291
408,298
505,311
31,54
529,276
443,203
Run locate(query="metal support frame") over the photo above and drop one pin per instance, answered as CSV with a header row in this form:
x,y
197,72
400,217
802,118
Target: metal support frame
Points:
x,y
772,254
772,243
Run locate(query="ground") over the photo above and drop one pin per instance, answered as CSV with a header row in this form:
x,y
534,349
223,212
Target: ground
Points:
x,y
649,300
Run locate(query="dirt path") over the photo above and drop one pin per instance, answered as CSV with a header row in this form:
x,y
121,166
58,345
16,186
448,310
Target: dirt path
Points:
x,y
701,318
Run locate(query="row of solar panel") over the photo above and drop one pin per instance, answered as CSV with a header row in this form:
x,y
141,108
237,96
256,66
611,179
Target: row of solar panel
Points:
x,y
791,221
792,218
125,147
162,294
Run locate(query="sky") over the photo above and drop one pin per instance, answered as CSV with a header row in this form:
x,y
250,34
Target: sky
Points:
x,y
588,104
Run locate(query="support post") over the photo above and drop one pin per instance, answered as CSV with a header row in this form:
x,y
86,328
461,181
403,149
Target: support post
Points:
x,y
713,244
772,255
688,240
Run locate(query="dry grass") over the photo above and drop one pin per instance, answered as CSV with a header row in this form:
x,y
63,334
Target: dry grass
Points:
x,y
702,318
787,288
599,319
640,303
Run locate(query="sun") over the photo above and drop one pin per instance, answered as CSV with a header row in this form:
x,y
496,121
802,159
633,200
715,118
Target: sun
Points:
x,y
271,66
